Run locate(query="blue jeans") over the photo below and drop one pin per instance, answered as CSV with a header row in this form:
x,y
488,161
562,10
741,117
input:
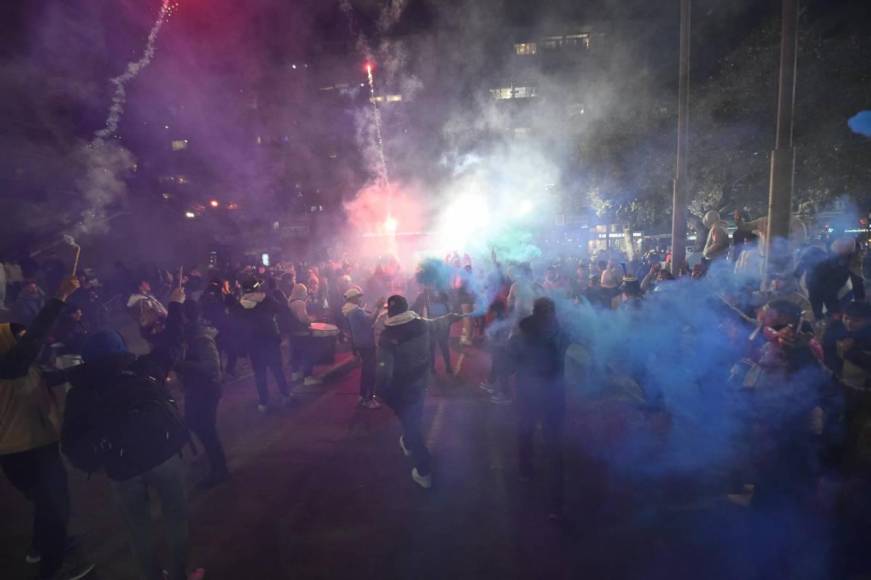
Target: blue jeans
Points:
x,y
132,496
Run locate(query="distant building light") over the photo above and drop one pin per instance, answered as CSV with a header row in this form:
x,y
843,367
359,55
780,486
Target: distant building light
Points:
x,y
293,66
232,205
386,99
179,144
505,93
181,179
259,140
525,49
190,215
166,195
215,203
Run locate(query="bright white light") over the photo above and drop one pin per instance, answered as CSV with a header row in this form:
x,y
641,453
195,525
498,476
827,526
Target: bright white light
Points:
x,y
214,203
525,207
391,225
264,259
190,215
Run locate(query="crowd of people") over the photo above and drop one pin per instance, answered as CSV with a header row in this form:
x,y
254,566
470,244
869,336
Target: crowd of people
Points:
x,y
799,340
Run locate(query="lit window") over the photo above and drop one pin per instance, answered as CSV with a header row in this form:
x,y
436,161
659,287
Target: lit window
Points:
x,y
524,92
551,42
394,98
525,49
179,144
181,179
577,40
502,93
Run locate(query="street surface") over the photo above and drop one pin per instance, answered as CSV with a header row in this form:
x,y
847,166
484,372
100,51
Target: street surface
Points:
x,y
322,491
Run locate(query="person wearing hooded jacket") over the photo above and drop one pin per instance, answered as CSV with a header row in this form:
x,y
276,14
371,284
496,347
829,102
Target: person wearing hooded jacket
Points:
x,y
303,359
30,425
362,327
106,362
258,317
537,353
402,376
200,372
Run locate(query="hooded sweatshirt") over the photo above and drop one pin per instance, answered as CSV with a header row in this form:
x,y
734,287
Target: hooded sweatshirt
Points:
x,y
361,324
29,412
300,320
405,356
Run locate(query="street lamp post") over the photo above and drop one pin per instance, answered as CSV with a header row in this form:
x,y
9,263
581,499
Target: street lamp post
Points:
x,y
679,200
783,156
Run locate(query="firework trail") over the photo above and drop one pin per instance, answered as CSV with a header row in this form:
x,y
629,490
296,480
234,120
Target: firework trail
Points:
x,y
119,99
379,136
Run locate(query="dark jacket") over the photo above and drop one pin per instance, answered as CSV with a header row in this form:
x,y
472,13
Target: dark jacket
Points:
x,y
258,325
537,353
88,381
26,308
404,357
200,370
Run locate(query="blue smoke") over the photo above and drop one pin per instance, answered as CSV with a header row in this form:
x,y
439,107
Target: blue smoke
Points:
x,y
861,123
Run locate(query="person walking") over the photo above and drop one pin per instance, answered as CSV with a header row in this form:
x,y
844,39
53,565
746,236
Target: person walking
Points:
x,y
402,376
362,327
30,424
258,317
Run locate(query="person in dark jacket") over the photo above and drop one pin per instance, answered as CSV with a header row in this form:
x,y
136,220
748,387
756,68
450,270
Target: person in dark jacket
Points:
x,y
361,324
106,362
29,303
826,279
29,435
200,372
214,306
537,352
258,317
71,330
404,363
432,303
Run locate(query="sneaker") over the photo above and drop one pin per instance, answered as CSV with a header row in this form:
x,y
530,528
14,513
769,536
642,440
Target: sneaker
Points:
x,y
262,409
405,450
424,481
74,572
312,381
487,387
500,399
373,404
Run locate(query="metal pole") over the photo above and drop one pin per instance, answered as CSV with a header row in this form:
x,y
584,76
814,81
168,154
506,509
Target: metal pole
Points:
x,y
679,200
783,157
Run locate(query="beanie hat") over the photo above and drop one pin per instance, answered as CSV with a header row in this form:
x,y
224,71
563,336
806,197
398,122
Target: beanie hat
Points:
x,y
103,344
396,305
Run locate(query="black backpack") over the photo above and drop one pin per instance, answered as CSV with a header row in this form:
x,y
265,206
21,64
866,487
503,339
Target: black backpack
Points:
x,y
135,426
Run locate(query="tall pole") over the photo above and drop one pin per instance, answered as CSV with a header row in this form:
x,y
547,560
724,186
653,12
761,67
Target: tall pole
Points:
x,y
783,157
679,200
